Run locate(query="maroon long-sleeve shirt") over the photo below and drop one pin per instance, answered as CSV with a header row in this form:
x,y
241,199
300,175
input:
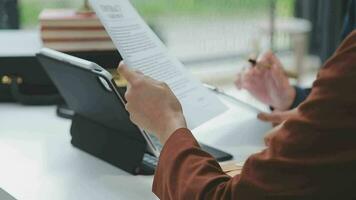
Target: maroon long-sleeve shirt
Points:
x,y
312,155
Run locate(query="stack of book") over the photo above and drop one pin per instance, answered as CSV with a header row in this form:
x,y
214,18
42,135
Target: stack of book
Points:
x,y
71,31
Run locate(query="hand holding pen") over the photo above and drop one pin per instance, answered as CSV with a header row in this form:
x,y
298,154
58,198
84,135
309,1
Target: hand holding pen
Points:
x,y
253,61
267,81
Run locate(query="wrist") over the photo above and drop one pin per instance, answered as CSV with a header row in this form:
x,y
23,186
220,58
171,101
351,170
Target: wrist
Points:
x,y
173,124
287,102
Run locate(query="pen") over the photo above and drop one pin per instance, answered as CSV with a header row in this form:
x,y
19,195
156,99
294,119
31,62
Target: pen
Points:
x,y
254,63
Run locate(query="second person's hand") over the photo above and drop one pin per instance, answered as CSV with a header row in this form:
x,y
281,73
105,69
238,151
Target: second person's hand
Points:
x,y
269,85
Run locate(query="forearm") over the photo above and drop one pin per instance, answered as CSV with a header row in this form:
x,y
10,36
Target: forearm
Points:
x,y
186,172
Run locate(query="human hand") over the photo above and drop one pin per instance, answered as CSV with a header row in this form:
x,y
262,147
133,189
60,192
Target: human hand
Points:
x,y
151,104
269,85
276,118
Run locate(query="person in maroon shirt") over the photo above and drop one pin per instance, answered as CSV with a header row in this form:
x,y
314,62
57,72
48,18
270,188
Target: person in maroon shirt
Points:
x,y
310,155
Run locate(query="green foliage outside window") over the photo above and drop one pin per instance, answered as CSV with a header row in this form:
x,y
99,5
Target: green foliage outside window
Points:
x,y
155,8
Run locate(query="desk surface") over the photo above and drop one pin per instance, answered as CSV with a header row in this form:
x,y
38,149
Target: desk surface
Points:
x,y
38,162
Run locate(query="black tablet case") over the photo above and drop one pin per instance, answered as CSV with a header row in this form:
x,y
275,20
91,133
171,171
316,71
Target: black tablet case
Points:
x,y
101,125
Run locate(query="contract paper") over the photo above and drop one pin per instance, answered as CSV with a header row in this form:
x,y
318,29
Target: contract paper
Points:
x,y
142,50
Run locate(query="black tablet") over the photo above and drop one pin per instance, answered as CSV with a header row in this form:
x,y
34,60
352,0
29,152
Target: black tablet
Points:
x,y
90,91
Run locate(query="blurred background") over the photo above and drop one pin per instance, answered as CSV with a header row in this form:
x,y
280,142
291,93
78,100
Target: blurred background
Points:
x,y
214,38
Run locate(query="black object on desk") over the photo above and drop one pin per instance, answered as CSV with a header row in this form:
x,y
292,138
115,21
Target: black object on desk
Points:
x,y
101,125
22,78
109,144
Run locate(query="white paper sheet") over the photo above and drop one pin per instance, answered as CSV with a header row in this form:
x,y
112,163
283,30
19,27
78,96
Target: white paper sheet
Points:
x,y
144,51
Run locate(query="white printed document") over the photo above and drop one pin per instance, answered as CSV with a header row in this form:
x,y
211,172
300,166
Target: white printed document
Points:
x,y
142,50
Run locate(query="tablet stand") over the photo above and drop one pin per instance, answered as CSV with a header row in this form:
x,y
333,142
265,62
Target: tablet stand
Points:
x,y
109,145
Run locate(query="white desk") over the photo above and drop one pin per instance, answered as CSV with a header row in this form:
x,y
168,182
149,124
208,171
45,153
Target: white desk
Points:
x,y
38,162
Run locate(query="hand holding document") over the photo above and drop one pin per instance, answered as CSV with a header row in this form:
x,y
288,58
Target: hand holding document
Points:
x,y
143,51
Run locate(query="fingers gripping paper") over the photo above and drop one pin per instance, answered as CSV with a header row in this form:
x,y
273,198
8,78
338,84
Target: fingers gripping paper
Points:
x,y
143,51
